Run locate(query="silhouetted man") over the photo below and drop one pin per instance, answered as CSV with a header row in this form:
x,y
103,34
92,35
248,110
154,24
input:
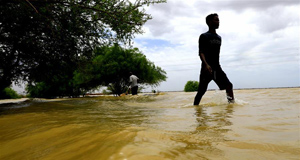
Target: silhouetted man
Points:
x,y
209,52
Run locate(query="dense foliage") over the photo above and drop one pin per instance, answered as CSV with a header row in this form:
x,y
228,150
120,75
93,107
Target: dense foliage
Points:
x,y
111,67
9,93
191,86
43,42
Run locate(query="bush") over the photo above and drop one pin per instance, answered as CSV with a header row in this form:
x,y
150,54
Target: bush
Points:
x,y
191,86
38,90
11,94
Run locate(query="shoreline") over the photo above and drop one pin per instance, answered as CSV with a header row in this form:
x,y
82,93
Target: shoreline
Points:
x,y
8,101
239,89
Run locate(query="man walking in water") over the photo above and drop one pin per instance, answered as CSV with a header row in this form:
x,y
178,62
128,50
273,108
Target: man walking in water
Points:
x,y
209,52
134,85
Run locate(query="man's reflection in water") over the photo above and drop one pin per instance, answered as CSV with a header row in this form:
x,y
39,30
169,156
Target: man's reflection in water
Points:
x,y
210,129
214,119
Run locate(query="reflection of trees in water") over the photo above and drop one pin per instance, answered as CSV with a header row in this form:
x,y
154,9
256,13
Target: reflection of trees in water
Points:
x,y
209,131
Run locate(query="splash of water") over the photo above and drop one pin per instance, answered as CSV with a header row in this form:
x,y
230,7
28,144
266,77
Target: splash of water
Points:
x,y
219,98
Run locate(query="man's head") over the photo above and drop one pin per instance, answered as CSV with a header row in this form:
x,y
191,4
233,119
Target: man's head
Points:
x,y
212,21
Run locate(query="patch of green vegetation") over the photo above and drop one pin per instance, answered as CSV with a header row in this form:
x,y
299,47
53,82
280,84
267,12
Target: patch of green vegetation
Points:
x,y
191,86
11,94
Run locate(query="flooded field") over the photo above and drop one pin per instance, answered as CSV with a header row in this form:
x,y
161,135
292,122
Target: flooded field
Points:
x,y
263,124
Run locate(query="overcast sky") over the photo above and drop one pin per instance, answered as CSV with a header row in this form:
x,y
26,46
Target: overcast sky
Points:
x,y
260,41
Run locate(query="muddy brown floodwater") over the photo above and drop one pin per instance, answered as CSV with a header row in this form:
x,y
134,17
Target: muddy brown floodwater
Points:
x,y
262,124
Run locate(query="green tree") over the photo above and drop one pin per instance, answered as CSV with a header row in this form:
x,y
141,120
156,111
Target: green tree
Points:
x,y
44,41
111,67
191,86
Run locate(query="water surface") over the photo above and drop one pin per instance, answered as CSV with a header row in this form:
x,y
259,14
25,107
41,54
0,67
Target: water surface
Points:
x,y
263,124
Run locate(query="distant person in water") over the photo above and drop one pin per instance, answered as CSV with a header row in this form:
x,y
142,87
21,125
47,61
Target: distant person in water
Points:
x,y
209,52
133,83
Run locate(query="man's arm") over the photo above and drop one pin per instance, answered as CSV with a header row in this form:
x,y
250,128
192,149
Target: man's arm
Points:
x,y
206,65
202,45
